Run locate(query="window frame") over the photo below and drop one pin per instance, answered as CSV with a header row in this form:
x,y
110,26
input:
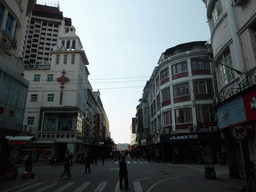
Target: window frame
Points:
x,y
73,59
37,78
181,90
50,78
30,120
65,61
50,98
33,97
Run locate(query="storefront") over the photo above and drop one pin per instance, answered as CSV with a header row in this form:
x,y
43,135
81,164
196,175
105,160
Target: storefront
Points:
x,y
238,110
191,147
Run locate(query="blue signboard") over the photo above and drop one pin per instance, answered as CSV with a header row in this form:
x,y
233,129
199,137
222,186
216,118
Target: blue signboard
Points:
x,y
231,112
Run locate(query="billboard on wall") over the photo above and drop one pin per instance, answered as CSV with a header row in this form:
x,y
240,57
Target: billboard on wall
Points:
x,y
133,125
250,105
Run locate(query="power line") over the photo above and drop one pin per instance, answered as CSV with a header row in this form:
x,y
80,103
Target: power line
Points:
x,y
122,78
118,88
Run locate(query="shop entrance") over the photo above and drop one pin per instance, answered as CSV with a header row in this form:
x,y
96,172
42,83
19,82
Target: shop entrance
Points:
x,y
61,151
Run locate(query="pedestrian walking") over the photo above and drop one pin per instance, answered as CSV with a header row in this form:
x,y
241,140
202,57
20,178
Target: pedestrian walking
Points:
x,y
123,174
102,157
87,164
71,158
66,169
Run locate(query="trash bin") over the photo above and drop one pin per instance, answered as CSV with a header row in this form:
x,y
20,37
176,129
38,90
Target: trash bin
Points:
x,y
209,172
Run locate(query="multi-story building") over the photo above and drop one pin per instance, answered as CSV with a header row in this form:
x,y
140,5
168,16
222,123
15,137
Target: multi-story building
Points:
x,y
45,25
57,100
233,35
175,112
13,86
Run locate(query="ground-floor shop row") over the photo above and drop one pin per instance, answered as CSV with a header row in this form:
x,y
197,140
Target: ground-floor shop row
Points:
x,y
198,147
21,146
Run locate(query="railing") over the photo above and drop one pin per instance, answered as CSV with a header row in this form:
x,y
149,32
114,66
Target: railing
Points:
x,y
7,41
38,66
247,82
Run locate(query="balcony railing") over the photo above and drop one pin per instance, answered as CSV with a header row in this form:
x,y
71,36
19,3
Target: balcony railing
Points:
x,y
247,82
38,66
7,41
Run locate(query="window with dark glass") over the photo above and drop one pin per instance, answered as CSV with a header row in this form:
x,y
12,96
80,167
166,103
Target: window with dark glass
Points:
x,y
181,90
179,68
37,78
49,78
33,98
166,94
57,59
164,73
9,25
30,120
65,59
183,115
73,59
167,118
50,97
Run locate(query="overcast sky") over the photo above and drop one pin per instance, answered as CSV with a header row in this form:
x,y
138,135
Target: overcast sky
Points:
x,y
123,40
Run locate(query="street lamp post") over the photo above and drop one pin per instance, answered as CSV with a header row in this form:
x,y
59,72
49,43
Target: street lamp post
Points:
x,y
237,71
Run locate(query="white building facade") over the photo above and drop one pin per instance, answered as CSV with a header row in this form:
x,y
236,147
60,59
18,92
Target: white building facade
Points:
x,y
233,37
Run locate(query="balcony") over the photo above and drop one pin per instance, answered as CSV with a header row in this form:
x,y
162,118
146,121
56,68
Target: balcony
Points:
x,y
247,82
46,65
6,41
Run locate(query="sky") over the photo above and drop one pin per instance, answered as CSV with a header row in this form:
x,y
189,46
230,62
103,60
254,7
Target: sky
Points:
x,y
123,41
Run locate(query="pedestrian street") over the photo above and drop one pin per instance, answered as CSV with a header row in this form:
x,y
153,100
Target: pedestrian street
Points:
x,y
143,176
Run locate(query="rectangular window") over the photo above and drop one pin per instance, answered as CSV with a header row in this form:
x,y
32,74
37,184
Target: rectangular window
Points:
x,y
36,78
224,74
50,97
167,118
73,59
164,73
166,94
49,78
179,67
200,65
217,12
33,98
183,115
9,24
30,121
57,59
157,83
1,14
65,59
181,90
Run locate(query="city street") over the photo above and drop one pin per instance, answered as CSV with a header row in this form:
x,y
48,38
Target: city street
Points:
x,y
143,177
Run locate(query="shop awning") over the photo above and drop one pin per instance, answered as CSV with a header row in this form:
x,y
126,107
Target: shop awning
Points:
x,y
19,138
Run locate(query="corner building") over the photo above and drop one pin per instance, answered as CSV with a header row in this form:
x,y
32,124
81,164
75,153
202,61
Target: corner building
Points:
x,y
233,35
13,85
176,120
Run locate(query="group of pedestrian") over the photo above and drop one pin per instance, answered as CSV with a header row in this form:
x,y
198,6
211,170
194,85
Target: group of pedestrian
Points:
x,y
123,172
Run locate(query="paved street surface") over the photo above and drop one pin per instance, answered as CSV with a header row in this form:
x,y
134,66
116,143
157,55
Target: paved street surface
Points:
x,y
143,177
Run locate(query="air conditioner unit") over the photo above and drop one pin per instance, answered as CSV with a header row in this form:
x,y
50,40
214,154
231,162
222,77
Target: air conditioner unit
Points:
x,y
237,2
213,128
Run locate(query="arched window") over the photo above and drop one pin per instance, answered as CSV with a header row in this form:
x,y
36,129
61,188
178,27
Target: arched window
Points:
x,y
68,44
73,44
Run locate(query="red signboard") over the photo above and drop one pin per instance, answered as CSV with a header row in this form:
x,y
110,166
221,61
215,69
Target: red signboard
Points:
x,y
250,105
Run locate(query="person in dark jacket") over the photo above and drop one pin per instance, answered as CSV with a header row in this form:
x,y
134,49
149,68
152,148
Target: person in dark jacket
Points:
x,y
123,173
66,168
87,164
